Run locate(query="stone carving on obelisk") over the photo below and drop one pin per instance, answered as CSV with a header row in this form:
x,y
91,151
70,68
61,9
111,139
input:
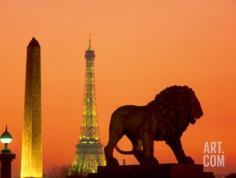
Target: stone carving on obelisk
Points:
x,y
31,158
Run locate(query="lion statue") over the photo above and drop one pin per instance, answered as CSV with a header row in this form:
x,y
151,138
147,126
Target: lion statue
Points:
x,y
163,119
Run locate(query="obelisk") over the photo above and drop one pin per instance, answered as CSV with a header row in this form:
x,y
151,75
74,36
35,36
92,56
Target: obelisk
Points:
x,y
31,157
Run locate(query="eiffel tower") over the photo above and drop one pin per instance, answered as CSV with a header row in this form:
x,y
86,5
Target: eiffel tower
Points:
x,y
89,151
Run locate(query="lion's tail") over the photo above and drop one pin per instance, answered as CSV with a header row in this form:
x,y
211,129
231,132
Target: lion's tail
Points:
x,y
122,151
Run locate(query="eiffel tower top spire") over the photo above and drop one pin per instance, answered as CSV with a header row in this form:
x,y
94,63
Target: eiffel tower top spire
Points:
x,y
89,48
89,54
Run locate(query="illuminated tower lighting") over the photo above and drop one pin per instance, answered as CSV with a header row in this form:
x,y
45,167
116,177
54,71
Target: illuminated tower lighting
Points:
x,y
31,157
89,151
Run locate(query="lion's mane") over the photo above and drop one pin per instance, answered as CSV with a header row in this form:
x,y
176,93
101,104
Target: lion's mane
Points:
x,y
173,108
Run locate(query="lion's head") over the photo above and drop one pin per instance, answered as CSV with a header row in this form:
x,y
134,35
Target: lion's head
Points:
x,y
176,107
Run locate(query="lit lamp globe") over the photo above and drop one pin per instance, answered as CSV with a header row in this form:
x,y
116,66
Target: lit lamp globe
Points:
x,y
6,138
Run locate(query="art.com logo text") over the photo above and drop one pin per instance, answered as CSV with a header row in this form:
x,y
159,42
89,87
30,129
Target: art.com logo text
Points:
x,y
213,154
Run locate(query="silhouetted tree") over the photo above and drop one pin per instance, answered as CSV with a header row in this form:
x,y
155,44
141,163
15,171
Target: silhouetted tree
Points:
x,y
233,175
57,172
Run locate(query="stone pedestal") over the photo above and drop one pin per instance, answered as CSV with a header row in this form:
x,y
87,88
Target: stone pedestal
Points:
x,y
159,171
6,159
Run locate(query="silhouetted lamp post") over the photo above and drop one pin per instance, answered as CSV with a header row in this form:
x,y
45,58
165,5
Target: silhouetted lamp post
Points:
x,y
6,156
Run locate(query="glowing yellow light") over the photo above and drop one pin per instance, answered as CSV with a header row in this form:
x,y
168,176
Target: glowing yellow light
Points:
x,y
89,151
31,157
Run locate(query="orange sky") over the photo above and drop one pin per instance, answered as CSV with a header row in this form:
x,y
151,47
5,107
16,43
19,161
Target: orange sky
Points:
x,y
141,46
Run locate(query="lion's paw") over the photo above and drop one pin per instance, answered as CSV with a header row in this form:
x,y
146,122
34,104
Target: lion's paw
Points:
x,y
186,160
112,162
150,161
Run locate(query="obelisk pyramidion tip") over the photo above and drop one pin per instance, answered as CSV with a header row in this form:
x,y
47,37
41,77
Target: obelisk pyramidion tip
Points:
x,y
33,42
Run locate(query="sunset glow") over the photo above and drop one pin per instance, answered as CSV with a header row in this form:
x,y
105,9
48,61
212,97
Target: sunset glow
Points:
x,y
141,47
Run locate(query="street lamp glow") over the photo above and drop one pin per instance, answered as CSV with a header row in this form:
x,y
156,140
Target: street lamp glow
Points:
x,y
6,138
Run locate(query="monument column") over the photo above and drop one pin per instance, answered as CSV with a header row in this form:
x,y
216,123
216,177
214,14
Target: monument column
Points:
x,y
31,158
